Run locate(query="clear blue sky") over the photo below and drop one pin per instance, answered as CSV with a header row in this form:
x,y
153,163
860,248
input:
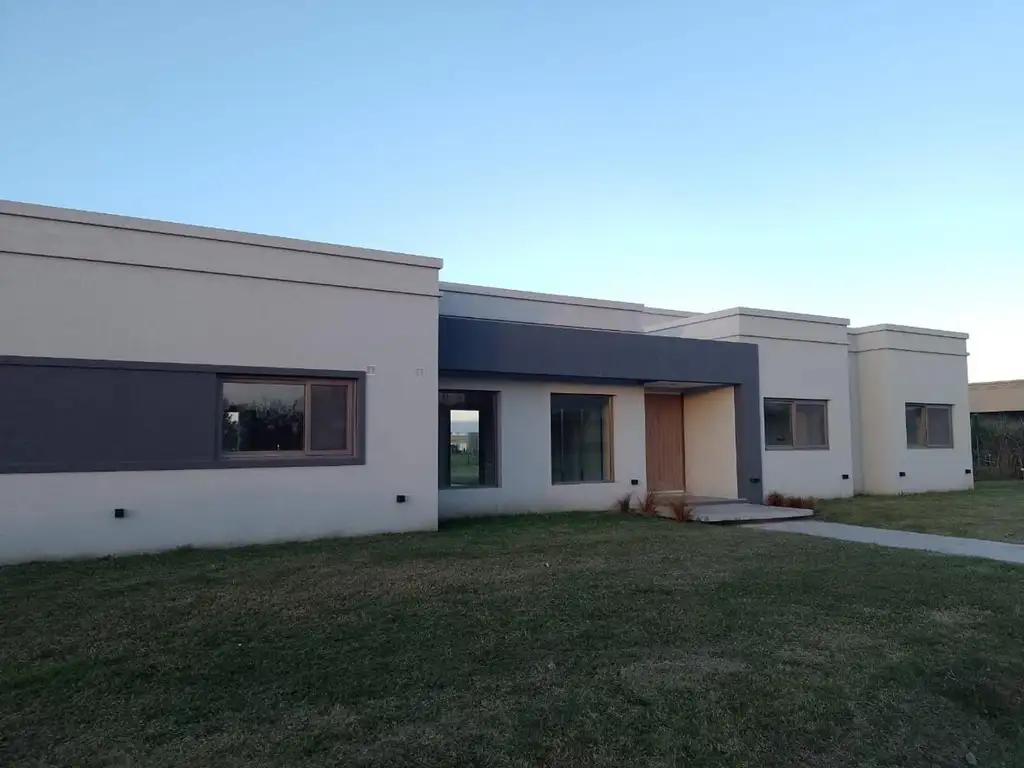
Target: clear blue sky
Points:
x,y
862,159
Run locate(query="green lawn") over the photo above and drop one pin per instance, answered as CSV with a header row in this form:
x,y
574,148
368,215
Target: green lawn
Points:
x,y
994,510
465,469
589,640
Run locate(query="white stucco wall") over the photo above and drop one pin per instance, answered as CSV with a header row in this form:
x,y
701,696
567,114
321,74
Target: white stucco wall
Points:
x,y
119,292
709,438
800,357
809,371
896,366
880,420
524,434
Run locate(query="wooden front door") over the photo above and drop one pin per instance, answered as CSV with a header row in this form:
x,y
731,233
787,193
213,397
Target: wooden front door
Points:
x,y
665,465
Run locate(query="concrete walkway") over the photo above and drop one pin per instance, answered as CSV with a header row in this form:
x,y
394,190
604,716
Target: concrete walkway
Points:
x,y
947,545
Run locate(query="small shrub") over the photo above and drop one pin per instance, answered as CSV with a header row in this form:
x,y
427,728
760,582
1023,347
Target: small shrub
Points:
x,y
648,506
624,503
802,502
776,499
682,511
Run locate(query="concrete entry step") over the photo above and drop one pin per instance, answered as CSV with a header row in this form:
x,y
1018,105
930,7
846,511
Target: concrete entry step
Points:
x,y
711,509
745,512
667,497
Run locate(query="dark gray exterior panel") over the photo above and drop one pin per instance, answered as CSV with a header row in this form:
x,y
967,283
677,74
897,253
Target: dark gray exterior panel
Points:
x,y
66,415
747,400
502,348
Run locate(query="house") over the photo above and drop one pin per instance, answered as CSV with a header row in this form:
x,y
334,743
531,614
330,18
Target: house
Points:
x,y
997,428
168,385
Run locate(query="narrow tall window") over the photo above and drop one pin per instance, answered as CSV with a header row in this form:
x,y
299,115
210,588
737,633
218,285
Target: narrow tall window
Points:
x,y
929,426
262,418
581,438
800,424
468,429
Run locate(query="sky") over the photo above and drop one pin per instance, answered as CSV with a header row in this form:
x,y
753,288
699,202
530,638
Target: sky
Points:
x,y
855,159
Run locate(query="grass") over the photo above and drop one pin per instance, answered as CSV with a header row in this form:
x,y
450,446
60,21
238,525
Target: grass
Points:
x,y
994,510
589,640
465,469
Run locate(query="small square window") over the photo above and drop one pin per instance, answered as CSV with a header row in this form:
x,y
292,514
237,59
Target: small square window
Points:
x,y
799,424
929,426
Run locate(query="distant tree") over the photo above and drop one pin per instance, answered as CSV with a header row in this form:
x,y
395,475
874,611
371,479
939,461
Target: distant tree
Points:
x,y
997,443
267,426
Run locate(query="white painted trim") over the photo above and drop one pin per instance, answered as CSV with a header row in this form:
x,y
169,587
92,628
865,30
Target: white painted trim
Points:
x,y
750,312
678,313
272,278
918,351
884,327
747,337
544,298
32,211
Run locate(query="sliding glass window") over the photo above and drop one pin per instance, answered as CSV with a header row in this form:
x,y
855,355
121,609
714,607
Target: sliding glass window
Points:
x,y
796,424
581,438
287,417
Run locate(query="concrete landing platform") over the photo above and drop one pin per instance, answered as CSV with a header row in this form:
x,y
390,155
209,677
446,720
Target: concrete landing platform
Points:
x,y
746,513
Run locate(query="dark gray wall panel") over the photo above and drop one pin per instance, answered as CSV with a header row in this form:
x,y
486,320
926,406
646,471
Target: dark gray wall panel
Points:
x,y
493,348
62,418
747,399
468,345
67,415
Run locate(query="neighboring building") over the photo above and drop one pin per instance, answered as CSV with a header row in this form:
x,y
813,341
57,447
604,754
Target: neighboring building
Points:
x,y
169,385
997,428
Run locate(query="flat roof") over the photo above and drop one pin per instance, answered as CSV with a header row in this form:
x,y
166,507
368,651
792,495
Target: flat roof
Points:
x,y
908,329
1002,384
547,298
700,317
89,218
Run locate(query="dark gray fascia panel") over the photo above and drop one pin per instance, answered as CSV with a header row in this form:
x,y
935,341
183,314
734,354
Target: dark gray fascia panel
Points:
x,y
68,415
473,347
523,349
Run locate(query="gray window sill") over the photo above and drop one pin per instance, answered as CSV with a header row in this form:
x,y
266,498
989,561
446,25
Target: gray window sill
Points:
x,y
169,466
239,462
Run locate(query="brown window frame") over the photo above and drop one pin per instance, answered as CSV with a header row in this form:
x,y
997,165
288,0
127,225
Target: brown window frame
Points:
x,y
353,451
927,444
792,403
